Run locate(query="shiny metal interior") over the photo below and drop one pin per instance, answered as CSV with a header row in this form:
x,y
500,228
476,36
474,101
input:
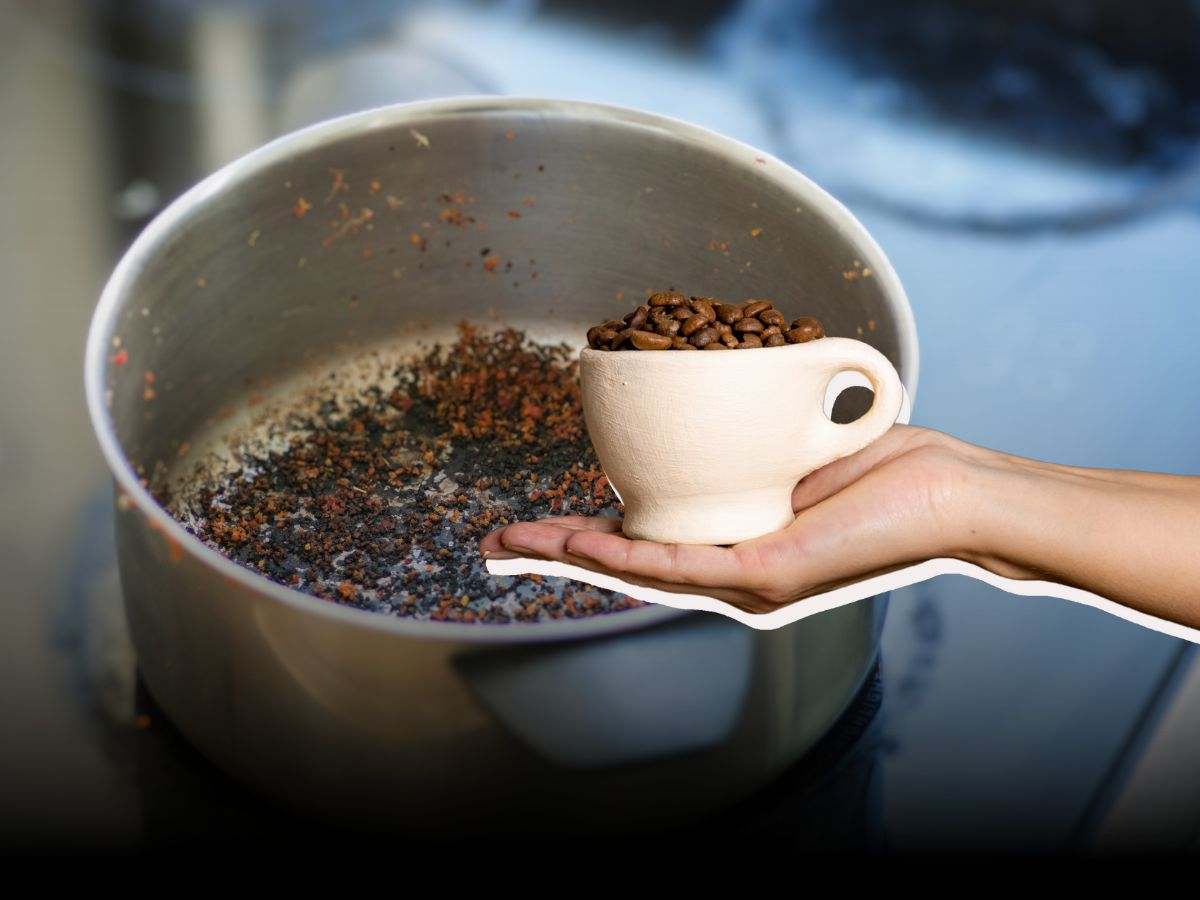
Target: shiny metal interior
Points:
x,y
237,289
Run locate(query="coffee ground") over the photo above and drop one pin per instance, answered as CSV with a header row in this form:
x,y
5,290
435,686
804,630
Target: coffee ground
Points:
x,y
380,499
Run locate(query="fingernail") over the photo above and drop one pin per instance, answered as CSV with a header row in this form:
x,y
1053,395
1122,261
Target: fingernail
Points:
x,y
499,554
573,552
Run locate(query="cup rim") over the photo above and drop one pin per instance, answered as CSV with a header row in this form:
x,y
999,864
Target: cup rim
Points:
x,y
176,216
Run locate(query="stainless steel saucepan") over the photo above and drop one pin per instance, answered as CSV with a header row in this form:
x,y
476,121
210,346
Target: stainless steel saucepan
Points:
x,y
640,716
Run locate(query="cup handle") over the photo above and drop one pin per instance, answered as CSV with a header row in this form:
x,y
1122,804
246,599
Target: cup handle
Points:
x,y
845,355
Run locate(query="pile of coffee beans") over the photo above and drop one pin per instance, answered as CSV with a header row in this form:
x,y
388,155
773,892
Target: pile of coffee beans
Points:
x,y
671,321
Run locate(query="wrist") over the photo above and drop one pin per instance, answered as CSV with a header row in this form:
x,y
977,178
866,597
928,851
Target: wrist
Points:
x,y
1001,503
1129,536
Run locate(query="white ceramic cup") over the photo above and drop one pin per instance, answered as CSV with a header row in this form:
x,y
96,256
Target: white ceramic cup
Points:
x,y
705,448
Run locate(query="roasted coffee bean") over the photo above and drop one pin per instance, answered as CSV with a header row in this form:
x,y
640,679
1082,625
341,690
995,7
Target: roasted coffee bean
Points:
x,y
800,335
671,321
667,326
705,307
601,336
753,307
648,340
728,313
772,317
809,322
667,298
750,326
804,329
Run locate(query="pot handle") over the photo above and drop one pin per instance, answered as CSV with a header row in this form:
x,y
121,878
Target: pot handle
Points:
x,y
843,355
659,693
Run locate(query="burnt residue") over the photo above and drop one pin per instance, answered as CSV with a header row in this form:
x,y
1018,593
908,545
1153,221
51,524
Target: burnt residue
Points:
x,y
379,499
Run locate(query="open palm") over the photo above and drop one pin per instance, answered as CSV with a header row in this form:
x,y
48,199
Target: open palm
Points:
x,y
889,505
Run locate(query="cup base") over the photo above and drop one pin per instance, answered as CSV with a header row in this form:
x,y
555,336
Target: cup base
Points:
x,y
710,519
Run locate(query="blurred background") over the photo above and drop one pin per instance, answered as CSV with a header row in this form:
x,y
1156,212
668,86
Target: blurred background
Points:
x,y
1031,167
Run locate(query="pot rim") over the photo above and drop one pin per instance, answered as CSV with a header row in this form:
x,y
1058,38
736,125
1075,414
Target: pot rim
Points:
x,y
176,215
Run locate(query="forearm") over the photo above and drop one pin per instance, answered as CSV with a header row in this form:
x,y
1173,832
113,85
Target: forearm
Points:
x,y
1133,537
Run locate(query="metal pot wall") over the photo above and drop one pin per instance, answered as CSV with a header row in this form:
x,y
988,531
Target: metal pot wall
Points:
x,y
642,716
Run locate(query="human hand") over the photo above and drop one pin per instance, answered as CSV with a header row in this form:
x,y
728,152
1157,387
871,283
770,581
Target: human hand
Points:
x,y
896,502
913,495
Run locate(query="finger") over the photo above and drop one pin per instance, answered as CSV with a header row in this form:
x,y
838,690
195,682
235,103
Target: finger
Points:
x,y
544,540
545,537
830,479
539,539
582,523
492,546
679,564
547,546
